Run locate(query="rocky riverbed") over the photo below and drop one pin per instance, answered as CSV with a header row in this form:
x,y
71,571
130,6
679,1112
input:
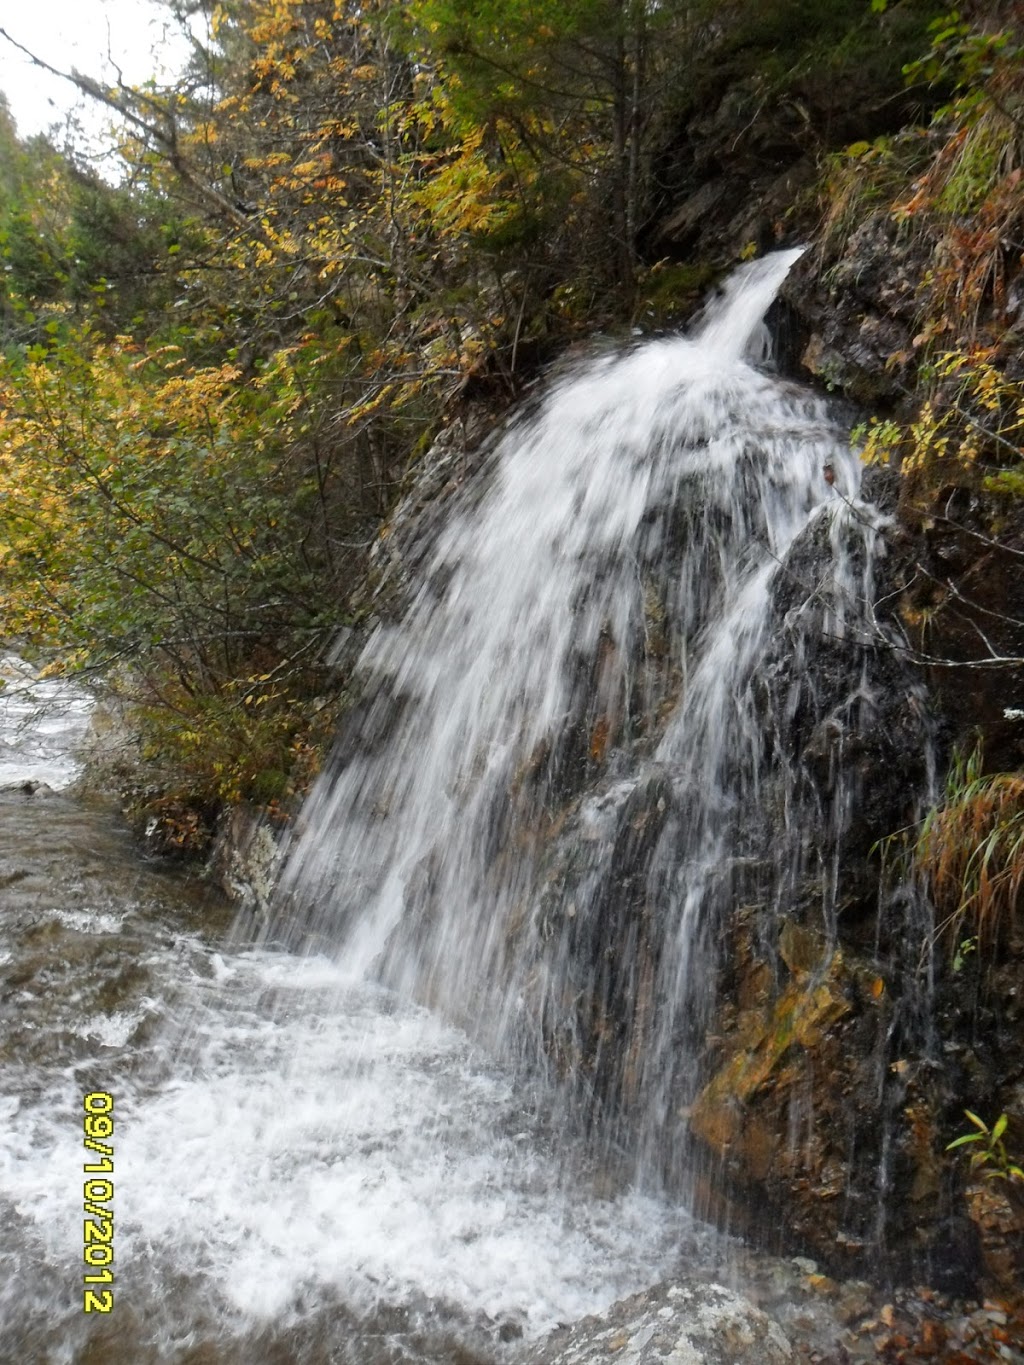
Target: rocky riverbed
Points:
x,y
785,1312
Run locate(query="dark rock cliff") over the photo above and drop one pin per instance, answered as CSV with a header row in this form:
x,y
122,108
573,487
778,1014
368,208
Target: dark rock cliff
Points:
x,y
838,1075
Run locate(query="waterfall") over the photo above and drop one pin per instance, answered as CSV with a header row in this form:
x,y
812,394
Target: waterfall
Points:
x,y
618,703
628,707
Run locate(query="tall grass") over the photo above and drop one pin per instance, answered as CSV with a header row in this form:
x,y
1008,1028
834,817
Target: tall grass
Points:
x,y
970,852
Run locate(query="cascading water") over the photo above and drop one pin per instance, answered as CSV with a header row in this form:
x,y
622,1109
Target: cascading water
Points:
x,y
622,699
592,733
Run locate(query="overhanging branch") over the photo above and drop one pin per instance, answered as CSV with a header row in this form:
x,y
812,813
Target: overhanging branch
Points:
x,y
160,129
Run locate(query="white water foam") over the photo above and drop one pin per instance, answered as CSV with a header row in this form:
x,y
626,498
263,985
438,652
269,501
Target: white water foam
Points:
x,y
317,1142
42,723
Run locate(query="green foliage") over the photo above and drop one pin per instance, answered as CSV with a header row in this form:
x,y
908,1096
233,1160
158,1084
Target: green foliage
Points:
x,y
796,48
343,220
569,95
966,57
72,245
256,739
965,196
867,177
160,517
964,949
969,425
670,291
988,1155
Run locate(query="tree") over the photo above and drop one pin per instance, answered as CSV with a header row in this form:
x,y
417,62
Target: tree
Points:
x,y
569,95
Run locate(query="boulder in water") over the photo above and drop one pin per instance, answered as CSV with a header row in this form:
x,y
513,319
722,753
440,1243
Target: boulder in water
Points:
x,y
685,1323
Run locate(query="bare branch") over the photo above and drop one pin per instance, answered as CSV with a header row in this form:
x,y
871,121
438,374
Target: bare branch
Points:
x,y
165,138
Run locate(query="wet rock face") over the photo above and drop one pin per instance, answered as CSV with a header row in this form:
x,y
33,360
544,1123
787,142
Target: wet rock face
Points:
x,y
610,945
819,1092
964,601
996,1209
860,314
246,859
684,1323
854,715
788,1084
791,1307
823,1119
813,1106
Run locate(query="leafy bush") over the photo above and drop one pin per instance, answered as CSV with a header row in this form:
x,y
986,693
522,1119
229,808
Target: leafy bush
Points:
x,y
967,430
164,521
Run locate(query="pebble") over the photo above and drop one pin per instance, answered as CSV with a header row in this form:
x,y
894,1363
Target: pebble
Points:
x,y
821,1284
852,1323
804,1263
923,1325
854,1303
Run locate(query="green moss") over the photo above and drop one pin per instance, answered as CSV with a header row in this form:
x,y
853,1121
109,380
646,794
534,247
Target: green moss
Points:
x,y
268,785
670,291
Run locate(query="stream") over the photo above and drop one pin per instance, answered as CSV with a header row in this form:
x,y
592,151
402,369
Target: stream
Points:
x,y
303,1167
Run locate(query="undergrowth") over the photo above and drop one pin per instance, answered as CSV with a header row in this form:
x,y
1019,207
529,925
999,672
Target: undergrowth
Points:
x,y
969,852
955,183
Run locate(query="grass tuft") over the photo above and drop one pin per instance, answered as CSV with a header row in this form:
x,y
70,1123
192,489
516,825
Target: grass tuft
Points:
x,y
970,852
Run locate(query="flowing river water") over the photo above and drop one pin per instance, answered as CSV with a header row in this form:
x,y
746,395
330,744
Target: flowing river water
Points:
x,y
304,1167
